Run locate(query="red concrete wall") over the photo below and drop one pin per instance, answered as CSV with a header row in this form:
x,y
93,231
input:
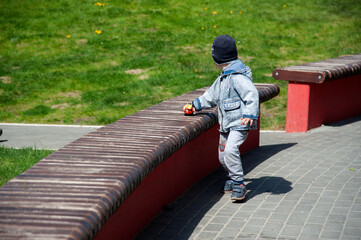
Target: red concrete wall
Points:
x,y
310,105
167,182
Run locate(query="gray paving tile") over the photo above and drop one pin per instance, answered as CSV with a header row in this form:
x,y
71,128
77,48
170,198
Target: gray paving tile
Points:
x,y
353,223
330,235
271,229
207,235
278,217
291,231
251,229
316,219
212,227
352,232
330,226
229,233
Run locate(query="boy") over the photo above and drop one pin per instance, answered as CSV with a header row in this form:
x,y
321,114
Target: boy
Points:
x,y
237,100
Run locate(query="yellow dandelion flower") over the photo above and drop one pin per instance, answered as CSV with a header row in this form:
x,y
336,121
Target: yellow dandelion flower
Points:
x,y
98,31
231,12
214,26
68,36
205,8
240,12
196,70
284,5
214,13
202,28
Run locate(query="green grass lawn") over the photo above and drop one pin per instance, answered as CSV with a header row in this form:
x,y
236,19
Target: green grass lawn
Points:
x,y
83,62
15,161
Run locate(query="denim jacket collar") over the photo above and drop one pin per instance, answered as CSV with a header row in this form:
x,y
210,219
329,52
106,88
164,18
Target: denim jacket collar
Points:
x,y
236,66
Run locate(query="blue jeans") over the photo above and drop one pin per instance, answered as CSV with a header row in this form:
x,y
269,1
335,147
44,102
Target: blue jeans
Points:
x,y
229,155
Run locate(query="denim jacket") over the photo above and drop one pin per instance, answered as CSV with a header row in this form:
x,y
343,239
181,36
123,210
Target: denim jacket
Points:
x,y
235,95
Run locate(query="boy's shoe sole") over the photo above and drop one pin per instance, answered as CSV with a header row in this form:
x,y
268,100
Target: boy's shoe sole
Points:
x,y
237,192
239,198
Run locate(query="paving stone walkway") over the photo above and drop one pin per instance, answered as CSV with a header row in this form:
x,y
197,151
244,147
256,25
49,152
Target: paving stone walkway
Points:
x,y
300,186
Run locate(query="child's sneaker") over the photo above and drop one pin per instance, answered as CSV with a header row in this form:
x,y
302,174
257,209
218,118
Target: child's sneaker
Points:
x,y
239,192
228,186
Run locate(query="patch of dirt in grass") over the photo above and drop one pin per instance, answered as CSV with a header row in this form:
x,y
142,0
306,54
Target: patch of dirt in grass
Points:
x,y
149,30
22,45
75,94
6,79
61,97
190,49
283,50
135,71
142,72
114,63
146,76
82,41
60,106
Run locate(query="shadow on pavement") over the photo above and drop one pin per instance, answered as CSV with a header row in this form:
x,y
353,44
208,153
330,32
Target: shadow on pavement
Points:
x,y
269,184
181,218
257,156
273,185
344,122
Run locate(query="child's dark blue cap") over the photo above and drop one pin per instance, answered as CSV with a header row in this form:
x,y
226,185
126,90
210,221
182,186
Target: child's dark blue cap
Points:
x,y
224,49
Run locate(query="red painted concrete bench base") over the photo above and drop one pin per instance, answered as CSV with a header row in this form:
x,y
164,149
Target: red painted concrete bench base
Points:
x,y
310,105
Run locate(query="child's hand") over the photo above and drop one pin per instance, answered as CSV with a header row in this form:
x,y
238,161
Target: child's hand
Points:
x,y
247,121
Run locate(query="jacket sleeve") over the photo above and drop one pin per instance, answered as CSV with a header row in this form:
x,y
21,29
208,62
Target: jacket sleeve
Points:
x,y
249,95
208,99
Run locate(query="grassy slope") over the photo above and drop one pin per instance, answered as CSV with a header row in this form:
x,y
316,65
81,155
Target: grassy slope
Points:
x,y
55,68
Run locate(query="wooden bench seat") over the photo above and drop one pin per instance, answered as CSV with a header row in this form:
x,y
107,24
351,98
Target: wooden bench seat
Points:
x,y
110,183
321,92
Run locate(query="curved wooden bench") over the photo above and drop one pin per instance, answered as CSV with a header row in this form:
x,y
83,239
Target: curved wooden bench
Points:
x,y
110,183
321,92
